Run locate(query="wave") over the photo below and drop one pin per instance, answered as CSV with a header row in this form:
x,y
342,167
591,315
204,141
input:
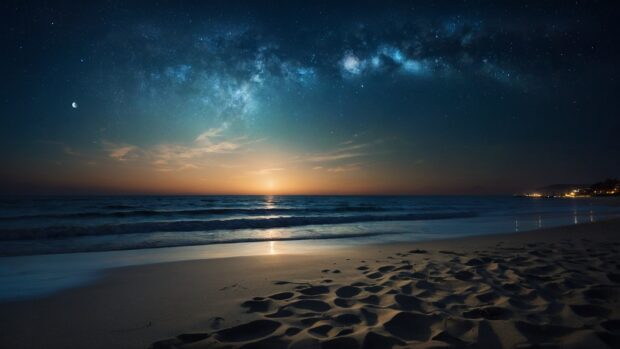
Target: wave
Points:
x,y
135,245
119,207
191,213
230,224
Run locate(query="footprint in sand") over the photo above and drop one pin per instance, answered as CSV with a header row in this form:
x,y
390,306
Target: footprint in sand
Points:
x,y
192,337
182,339
314,290
487,297
257,306
348,319
464,275
372,299
310,304
348,291
321,331
292,331
345,332
281,313
282,296
375,340
411,326
456,300
418,251
249,331
475,262
542,332
386,268
489,313
603,293
340,343
614,277
611,325
344,303
590,310
373,289
375,275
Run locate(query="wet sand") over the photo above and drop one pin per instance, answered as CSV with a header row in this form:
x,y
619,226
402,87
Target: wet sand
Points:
x,y
558,288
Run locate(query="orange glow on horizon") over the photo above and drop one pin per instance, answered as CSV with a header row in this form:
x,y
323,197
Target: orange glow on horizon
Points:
x,y
261,172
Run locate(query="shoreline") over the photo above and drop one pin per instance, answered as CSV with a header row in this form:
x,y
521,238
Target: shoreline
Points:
x,y
136,306
28,276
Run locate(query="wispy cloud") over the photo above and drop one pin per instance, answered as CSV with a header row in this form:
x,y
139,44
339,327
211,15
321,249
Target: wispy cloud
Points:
x,y
340,168
331,157
168,157
345,168
346,150
121,152
210,134
266,171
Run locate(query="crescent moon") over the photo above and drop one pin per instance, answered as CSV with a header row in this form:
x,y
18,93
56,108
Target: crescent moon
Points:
x,y
74,105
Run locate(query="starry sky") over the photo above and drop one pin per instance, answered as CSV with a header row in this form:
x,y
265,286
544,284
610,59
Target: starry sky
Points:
x,y
324,97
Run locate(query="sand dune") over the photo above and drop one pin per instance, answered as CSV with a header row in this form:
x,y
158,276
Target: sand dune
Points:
x,y
546,294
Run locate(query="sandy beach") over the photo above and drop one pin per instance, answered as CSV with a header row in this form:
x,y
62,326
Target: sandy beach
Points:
x,y
558,287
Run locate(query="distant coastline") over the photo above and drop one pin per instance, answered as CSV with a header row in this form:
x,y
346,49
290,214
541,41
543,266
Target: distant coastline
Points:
x,y
607,188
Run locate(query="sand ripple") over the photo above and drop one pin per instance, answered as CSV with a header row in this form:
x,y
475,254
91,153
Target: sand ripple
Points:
x,y
564,294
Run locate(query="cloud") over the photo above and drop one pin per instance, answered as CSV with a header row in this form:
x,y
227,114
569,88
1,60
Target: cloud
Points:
x,y
188,167
346,150
266,171
122,152
206,136
171,154
331,156
341,168
178,157
348,156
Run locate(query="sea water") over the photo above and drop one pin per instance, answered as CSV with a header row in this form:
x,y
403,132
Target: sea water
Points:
x,y
50,243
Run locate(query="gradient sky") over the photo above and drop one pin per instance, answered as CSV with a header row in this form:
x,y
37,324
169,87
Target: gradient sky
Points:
x,y
330,97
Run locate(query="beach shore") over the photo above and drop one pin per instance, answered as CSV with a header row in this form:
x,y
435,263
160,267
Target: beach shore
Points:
x,y
558,287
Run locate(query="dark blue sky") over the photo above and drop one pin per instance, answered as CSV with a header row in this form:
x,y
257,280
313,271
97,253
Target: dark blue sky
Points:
x,y
291,97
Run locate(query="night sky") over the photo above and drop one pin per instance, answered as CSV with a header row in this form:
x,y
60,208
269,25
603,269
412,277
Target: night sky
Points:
x,y
295,97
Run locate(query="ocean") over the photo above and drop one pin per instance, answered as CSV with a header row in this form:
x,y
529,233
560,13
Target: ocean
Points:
x,y
44,225
49,243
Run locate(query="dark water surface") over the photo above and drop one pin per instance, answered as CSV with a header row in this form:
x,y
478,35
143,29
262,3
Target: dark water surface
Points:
x,y
51,243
